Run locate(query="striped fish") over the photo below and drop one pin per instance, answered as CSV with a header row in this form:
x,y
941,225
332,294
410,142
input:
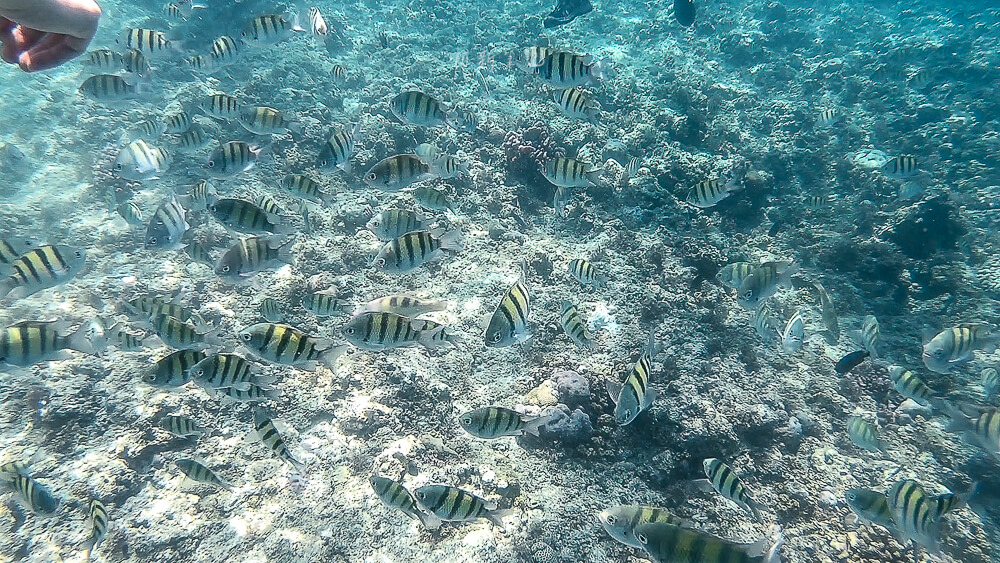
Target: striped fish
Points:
x,y
194,138
270,309
991,382
584,272
433,198
223,370
869,336
793,334
232,158
146,130
763,282
622,520
733,274
124,340
136,63
139,161
570,173
263,120
269,205
509,323
413,249
576,104
766,323
251,394
565,70
181,426
437,333
13,248
827,117
414,107
911,386
394,495
982,428
196,471
394,223
957,345
304,187
403,305
221,106
171,370
109,88
864,434
167,226
338,75
177,123
534,56
98,516
829,314
635,396
665,542
900,167
383,331
397,172
489,423
914,512
316,22
200,253
708,193
181,335
201,63
197,197
130,211
29,342
142,308
269,435
872,506
324,304
224,51
819,201
105,59
725,482
270,29
34,494
245,217
42,268
338,149
283,344
252,255
574,326
452,504
147,41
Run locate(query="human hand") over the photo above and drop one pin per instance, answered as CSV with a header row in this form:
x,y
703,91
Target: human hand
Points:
x,y
42,34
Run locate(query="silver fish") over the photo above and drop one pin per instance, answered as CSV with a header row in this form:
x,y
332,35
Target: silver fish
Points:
x,y
167,226
635,395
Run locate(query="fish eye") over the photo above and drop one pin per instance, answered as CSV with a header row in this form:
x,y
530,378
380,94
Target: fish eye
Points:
x,y
641,537
380,262
246,337
421,495
151,377
371,177
376,223
152,240
211,163
939,353
610,519
348,330
78,254
467,420
118,166
497,336
225,268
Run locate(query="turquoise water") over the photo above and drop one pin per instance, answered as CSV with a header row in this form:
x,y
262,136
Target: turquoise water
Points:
x,y
850,146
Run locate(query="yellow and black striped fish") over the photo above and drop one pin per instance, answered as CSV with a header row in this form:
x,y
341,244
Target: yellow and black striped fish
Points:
x,y
105,59
383,331
584,272
98,516
244,216
304,187
394,495
179,334
725,481
270,309
635,396
914,512
622,520
324,304
269,29
134,62
863,433
252,255
452,504
196,471
41,268
338,75
13,248
172,370
565,70
957,345
109,88
575,103
496,422
194,138
231,158
123,340
413,249
873,506
167,226
338,150
29,342
250,394
669,542
139,161
142,308
574,326
147,41
222,106
283,344
414,107
146,130
181,426
269,435
509,323
911,386
394,223
399,171
263,120
569,172
433,198
404,305
990,379
223,370
903,166
733,274
34,494
177,123
708,193
224,51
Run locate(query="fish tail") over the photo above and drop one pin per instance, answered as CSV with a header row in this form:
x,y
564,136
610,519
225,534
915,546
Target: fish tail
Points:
x,y
778,538
330,356
452,240
430,521
5,287
535,424
90,339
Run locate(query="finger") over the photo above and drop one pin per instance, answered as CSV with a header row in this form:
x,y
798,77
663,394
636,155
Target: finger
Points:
x,y
6,28
52,51
19,41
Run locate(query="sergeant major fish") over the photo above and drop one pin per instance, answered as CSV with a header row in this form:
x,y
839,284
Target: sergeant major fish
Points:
x,y
489,423
139,161
864,434
829,314
452,504
574,326
793,334
270,309
635,396
263,120
111,88
575,103
414,107
283,344
232,158
569,173
167,226
433,198
196,471
252,255
27,343
338,150
621,521
911,386
403,305
13,248
34,494
245,217
324,304
181,426
397,172
219,371
957,345
271,438
98,516
394,495
584,272
416,248
709,193
394,223
565,70
383,331
270,29
913,510
665,542
509,323
725,482
42,268
764,281
171,371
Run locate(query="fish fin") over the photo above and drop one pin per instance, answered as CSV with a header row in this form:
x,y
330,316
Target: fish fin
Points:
x,y
496,517
330,356
536,423
776,539
703,485
429,521
651,396
6,286
90,339
614,390
452,240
